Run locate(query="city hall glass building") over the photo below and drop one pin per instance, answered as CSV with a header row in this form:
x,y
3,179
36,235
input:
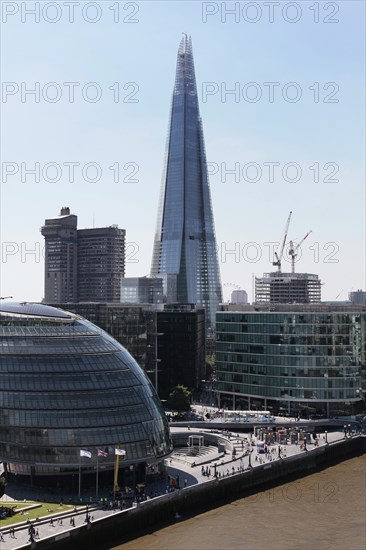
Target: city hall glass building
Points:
x,y
66,385
185,242
293,357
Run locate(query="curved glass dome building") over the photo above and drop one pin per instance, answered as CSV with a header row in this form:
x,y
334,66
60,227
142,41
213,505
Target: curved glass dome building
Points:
x,y
66,386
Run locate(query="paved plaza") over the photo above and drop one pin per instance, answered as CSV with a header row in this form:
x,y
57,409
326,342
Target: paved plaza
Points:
x,y
185,469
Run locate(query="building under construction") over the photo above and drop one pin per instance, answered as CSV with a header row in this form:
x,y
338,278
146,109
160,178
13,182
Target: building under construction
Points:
x,y
288,288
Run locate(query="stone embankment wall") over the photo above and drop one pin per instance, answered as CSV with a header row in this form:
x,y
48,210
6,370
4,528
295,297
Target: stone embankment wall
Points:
x,y
208,494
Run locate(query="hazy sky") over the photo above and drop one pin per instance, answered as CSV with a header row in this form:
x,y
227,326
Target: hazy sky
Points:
x,y
292,129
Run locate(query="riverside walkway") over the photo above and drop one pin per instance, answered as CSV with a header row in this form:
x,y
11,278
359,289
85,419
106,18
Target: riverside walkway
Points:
x,y
185,469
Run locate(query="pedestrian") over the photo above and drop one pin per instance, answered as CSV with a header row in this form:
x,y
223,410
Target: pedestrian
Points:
x,y
1,537
51,522
36,536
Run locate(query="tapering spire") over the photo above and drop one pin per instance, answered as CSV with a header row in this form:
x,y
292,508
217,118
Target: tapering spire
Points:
x,y
185,242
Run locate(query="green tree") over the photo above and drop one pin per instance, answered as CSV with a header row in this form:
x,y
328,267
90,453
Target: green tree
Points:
x,y
179,398
210,367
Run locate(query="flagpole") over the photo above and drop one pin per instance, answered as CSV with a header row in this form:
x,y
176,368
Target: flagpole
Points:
x,y
115,485
79,476
96,492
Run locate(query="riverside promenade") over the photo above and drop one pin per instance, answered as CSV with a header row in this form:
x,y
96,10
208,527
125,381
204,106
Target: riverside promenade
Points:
x,y
238,455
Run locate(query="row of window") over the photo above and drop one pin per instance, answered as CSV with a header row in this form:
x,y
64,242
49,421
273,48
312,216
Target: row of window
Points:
x,y
296,383
70,400
278,393
269,349
74,419
61,363
315,318
79,437
57,383
134,451
288,360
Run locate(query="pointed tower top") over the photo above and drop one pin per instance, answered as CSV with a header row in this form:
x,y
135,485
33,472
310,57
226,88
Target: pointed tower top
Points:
x,y
185,80
185,44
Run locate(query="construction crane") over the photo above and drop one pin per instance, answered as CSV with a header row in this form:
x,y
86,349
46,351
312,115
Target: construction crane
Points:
x,y
279,256
5,297
293,251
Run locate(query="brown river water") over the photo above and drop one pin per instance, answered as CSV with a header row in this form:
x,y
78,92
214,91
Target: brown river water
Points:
x,y
326,510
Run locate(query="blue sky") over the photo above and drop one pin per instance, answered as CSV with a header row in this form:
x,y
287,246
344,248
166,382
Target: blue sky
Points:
x,y
227,55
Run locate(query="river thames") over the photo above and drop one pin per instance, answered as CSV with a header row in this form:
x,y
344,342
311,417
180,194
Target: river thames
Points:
x,y
324,510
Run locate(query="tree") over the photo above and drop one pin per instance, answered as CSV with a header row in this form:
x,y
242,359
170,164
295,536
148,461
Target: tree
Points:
x,y
210,367
179,398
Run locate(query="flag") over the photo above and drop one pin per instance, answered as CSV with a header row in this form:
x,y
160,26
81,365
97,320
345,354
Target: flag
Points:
x,y
120,452
102,453
85,453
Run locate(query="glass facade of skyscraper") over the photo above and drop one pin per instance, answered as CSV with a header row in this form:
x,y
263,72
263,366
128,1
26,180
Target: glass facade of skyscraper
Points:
x,y
185,242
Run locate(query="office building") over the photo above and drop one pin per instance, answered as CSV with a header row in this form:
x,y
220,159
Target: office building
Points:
x,y
169,344
68,386
185,242
142,290
129,324
239,297
61,278
101,264
82,264
298,358
358,297
180,348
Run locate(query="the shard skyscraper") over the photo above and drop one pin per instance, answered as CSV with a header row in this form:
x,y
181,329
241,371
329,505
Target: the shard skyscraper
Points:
x,y
185,243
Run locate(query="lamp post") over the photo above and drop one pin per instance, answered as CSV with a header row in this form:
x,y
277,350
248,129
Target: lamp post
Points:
x,y
156,360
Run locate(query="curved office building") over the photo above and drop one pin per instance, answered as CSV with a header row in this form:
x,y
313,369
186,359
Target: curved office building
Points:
x,y
294,357
68,386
